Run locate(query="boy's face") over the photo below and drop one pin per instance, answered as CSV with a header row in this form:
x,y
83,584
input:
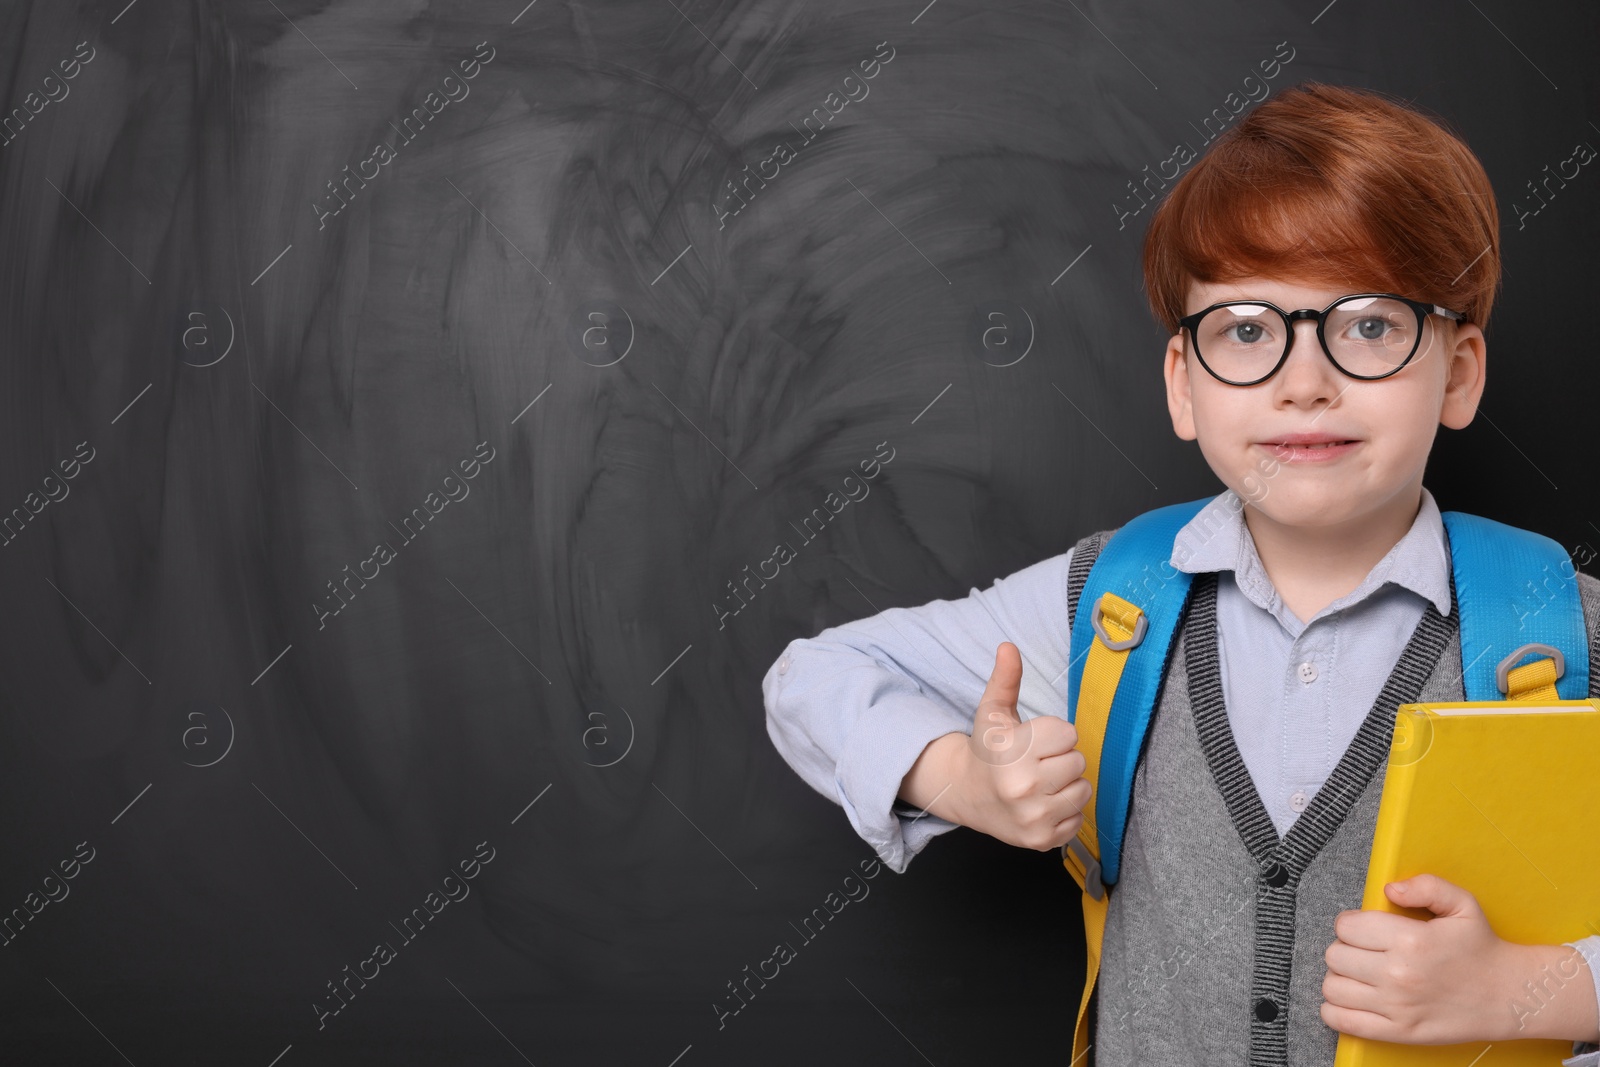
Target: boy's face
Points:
x,y
1391,421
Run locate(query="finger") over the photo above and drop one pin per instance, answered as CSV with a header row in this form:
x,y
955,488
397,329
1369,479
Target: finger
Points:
x,y
1369,929
1358,964
1435,894
1355,1023
1077,814
1005,683
1352,995
1058,772
1076,799
1053,736
1069,828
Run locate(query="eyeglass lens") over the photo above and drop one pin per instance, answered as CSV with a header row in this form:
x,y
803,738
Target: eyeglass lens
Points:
x,y
1366,335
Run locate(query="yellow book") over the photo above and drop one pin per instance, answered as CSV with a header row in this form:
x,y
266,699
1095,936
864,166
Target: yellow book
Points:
x,y
1499,798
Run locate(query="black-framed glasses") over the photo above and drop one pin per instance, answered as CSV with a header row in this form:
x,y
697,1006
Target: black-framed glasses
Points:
x,y
1367,336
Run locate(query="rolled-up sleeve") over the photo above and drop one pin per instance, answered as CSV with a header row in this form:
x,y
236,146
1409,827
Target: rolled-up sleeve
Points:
x,y
852,708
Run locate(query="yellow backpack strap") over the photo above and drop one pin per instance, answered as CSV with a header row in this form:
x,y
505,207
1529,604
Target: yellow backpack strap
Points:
x,y
1535,680
1118,627
1104,628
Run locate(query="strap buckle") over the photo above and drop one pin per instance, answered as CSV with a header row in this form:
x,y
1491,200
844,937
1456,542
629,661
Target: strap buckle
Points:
x,y
1087,864
1504,668
1140,625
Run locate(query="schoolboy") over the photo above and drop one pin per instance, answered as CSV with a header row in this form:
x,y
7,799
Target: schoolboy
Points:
x,y
1322,599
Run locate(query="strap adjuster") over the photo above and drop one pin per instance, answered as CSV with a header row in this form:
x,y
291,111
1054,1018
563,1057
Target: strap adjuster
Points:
x,y
1088,864
1140,625
1504,668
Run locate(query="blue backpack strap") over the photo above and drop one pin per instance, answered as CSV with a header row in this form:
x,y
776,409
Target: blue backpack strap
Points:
x,y
1133,564
1514,588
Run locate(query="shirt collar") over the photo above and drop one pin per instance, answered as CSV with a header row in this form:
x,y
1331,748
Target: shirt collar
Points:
x,y
1217,539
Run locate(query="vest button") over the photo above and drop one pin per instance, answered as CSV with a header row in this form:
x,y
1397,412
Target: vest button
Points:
x,y
1266,1009
1275,874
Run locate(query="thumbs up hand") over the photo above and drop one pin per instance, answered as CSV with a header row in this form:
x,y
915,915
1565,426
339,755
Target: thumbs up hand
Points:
x,y
1020,782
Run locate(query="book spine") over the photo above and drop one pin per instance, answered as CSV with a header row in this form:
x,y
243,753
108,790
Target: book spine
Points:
x,y
1400,775
1399,779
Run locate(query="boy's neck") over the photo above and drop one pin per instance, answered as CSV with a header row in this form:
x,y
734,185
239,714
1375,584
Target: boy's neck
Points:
x,y
1312,566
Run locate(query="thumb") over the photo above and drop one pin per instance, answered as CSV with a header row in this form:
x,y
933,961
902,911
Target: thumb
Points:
x,y
998,705
1433,893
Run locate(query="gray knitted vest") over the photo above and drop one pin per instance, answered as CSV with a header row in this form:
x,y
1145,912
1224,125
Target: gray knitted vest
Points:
x,y
1216,927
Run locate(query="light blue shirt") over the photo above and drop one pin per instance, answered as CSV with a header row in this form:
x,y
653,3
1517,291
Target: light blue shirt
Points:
x,y
852,708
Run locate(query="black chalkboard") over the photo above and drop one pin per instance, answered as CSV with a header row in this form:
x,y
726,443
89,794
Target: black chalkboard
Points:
x,y
396,395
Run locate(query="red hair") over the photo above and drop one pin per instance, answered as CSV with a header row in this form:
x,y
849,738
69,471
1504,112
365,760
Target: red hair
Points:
x,y
1331,186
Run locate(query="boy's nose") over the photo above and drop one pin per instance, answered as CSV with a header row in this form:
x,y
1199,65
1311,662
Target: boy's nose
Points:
x,y
1303,336
1308,366
1304,344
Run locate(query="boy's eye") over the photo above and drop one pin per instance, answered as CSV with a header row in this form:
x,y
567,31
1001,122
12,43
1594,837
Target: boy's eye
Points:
x,y
1370,328
1372,322
1247,332
1244,331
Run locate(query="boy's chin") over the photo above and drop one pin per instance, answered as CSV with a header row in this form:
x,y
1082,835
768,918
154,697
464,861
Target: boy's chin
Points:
x,y
1301,505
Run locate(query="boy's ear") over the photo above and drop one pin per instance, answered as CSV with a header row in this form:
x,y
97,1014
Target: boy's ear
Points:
x,y
1465,376
1176,371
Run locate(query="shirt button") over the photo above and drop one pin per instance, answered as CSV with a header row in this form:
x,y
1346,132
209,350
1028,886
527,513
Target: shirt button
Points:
x,y
1266,1009
1297,800
783,663
1308,672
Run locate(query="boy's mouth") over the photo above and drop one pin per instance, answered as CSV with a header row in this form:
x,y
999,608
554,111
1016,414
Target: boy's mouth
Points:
x,y
1310,440
1309,446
